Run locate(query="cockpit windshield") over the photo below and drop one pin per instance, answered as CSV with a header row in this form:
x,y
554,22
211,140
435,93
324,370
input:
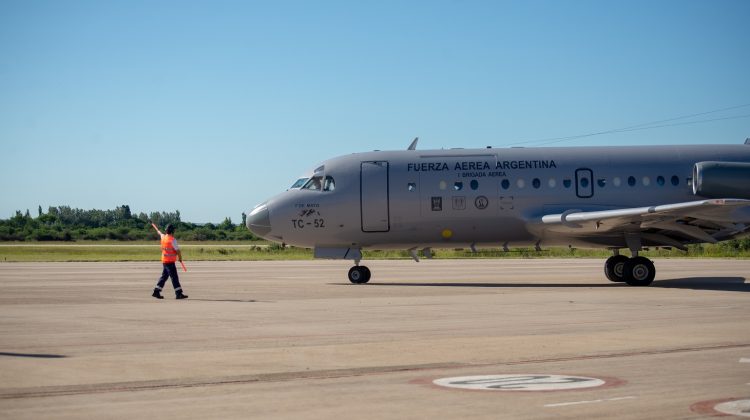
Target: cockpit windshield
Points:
x,y
313,183
317,183
299,183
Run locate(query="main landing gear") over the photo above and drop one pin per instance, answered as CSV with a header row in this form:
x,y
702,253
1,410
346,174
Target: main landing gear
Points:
x,y
359,274
636,271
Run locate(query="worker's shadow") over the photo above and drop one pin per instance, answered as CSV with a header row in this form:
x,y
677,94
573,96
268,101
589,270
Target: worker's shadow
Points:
x,y
722,284
32,355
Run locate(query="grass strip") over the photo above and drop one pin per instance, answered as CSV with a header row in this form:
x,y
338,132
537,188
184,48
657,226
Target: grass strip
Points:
x,y
212,251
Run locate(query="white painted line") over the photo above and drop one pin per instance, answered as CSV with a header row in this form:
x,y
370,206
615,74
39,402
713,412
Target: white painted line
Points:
x,y
739,408
519,382
744,360
589,402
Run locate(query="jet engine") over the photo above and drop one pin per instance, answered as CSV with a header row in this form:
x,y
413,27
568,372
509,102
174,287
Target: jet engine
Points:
x,y
722,179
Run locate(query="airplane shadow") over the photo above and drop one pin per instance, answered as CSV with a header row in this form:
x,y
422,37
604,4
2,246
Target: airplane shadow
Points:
x,y
33,355
726,284
722,284
490,285
225,300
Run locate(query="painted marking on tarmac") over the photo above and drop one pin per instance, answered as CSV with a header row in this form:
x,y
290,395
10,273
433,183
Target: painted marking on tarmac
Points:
x,y
565,404
745,360
735,408
516,382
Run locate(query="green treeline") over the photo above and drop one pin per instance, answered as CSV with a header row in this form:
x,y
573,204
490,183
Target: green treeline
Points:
x,y
64,223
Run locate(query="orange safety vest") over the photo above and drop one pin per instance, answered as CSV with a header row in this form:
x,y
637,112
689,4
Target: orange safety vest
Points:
x,y
168,253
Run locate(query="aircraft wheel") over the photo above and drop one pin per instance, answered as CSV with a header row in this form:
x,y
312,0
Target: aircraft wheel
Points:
x,y
367,274
359,274
613,268
639,271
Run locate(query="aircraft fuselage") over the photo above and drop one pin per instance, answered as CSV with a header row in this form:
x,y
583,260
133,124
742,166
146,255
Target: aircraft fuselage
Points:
x,y
458,197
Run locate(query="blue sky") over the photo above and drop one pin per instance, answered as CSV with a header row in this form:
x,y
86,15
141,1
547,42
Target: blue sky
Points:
x,y
209,107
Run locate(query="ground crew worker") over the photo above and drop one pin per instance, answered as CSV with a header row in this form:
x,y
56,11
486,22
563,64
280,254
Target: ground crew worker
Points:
x,y
170,253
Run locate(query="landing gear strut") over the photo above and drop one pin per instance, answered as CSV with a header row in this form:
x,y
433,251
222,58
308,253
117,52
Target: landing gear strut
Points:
x,y
359,274
636,271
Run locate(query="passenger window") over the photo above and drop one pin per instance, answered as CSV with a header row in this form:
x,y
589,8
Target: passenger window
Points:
x,y
660,180
458,185
329,184
443,185
505,184
552,183
631,181
474,184
616,181
520,183
601,182
536,183
412,186
675,180
313,183
646,181
567,183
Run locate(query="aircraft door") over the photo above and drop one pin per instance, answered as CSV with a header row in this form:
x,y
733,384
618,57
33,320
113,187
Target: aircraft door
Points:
x,y
584,183
374,196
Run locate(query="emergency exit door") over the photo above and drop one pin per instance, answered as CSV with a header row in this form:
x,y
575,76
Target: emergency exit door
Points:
x,y
374,196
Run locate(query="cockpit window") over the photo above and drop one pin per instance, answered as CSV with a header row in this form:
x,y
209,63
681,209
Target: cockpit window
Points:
x,y
313,183
318,183
299,183
329,184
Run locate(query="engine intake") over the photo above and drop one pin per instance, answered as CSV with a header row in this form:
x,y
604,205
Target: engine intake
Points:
x,y
722,179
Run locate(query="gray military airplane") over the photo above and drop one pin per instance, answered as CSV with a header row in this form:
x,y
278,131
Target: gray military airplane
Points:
x,y
596,197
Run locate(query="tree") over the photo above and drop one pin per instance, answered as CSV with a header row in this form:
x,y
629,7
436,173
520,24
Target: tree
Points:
x,y
226,224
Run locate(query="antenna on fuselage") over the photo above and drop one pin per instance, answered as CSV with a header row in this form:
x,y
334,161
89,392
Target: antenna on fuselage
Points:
x,y
413,145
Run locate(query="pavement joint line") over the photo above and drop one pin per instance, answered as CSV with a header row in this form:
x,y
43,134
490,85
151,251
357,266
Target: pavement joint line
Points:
x,y
65,390
745,360
134,386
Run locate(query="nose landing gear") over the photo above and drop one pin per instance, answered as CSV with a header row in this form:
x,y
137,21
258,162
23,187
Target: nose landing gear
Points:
x,y
359,274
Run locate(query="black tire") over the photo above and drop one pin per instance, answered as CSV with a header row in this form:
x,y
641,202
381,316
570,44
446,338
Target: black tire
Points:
x,y
614,267
359,274
639,271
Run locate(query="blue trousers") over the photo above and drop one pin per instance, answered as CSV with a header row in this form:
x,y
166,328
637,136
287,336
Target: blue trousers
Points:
x,y
170,270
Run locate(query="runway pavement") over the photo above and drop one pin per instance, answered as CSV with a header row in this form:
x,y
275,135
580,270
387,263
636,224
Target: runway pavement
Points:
x,y
296,340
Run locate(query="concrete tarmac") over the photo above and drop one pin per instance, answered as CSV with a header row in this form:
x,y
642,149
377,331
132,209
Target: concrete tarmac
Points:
x,y
296,340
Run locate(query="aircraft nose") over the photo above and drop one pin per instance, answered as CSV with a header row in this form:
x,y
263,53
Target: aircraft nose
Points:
x,y
258,221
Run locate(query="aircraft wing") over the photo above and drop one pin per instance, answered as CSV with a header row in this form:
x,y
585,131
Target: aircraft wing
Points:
x,y
666,225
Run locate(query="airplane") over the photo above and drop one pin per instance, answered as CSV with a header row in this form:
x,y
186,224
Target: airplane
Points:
x,y
612,197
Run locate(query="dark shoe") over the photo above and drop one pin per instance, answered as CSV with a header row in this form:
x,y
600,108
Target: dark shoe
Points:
x,y
181,296
156,294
